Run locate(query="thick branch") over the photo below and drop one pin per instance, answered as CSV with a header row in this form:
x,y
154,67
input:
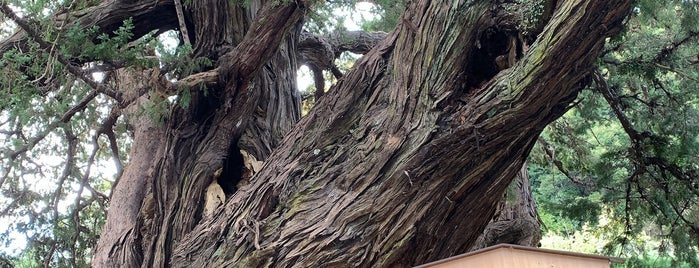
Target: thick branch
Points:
x,y
358,42
320,52
269,29
108,16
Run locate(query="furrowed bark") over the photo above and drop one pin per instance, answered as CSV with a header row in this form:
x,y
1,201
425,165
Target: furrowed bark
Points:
x,y
410,149
200,139
358,42
121,236
184,183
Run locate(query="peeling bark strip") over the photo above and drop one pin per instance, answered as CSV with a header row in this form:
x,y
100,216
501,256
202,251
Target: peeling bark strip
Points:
x,y
405,154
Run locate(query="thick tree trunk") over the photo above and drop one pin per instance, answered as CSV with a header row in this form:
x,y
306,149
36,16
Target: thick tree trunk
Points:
x,y
516,219
251,112
133,183
410,149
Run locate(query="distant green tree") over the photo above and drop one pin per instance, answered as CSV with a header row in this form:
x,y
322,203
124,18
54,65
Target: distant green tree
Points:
x,y
629,148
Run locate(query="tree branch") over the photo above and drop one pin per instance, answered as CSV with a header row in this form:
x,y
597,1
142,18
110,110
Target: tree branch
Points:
x,y
246,58
614,103
109,16
25,25
358,42
107,129
318,80
206,78
182,24
65,118
559,165
659,58
641,162
320,52
67,170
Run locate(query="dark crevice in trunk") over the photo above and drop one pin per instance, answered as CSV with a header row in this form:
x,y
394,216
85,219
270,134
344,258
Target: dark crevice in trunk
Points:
x,y
232,170
202,107
491,44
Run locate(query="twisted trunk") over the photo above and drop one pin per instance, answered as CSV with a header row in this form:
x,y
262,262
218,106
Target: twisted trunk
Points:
x,y
248,111
412,148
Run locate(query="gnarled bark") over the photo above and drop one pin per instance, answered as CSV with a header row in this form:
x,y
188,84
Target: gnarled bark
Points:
x,y
250,101
320,52
410,149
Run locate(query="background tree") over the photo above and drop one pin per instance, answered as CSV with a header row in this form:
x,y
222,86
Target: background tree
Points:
x,y
426,130
629,147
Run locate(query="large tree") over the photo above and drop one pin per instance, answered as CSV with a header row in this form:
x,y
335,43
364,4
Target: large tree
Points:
x,y
402,162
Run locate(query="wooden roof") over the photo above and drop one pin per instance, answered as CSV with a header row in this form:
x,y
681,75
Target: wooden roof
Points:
x,y
524,248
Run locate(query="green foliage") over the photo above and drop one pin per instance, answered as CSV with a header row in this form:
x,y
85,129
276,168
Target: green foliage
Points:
x,y
50,205
564,206
650,261
243,3
331,17
180,62
527,13
323,19
532,13
389,12
15,84
641,176
90,44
